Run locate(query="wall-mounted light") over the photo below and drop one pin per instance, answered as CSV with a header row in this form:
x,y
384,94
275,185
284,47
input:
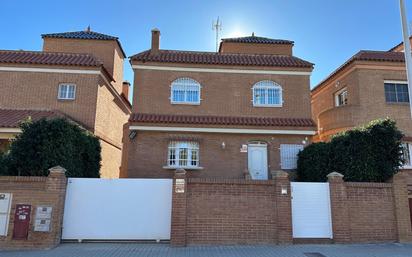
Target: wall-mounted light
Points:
x,y
223,145
132,134
305,141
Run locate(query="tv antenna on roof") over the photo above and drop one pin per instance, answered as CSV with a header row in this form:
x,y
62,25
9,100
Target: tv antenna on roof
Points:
x,y
217,26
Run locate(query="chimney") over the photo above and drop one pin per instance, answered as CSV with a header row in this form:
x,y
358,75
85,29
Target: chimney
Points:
x,y
125,89
155,40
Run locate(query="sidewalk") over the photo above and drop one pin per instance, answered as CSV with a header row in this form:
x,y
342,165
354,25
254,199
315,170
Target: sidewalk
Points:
x,y
130,249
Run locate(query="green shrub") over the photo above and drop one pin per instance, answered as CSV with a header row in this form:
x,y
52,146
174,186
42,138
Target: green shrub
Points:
x,y
47,143
315,160
367,154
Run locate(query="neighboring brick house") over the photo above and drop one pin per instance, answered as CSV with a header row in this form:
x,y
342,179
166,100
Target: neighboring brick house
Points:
x,y
243,111
78,75
370,85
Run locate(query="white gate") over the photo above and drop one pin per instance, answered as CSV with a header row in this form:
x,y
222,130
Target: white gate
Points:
x,y
117,209
311,213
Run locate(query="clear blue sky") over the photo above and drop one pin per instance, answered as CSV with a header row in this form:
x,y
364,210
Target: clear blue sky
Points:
x,y
325,32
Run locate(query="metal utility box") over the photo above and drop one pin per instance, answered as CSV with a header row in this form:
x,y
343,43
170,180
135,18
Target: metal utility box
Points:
x,y
21,221
43,218
5,206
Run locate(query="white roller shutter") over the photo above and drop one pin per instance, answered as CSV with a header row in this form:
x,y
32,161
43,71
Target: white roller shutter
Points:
x,y
289,156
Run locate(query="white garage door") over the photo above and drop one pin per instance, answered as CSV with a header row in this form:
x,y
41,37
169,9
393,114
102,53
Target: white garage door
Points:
x,y
117,209
311,214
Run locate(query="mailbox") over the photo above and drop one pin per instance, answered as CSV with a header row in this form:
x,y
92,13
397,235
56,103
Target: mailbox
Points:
x,y
21,221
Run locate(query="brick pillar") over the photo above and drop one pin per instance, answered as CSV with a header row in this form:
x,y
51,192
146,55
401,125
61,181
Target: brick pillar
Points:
x,y
339,208
56,185
283,207
400,194
178,230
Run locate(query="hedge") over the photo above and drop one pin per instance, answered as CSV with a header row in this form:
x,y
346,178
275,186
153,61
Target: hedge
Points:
x,y
50,142
372,153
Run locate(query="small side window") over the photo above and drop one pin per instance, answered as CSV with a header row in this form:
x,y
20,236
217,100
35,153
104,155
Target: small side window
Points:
x,y
67,92
341,97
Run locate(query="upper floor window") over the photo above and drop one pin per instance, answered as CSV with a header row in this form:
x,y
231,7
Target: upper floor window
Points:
x,y
67,91
185,91
341,97
267,93
406,152
183,154
396,92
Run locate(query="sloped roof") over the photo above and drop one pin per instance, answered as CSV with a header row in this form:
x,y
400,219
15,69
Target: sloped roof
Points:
x,y
48,58
194,57
81,35
367,55
221,120
11,118
257,40
84,34
52,58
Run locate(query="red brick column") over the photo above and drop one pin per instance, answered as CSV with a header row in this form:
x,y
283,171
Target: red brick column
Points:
x,y
283,207
400,195
178,230
56,184
339,208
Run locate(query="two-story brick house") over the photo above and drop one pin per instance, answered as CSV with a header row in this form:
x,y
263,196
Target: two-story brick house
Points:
x,y
78,75
243,111
370,85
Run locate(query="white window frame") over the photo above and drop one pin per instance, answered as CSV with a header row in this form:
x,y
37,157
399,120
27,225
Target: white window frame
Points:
x,y
185,83
284,162
66,94
266,85
409,148
175,147
343,91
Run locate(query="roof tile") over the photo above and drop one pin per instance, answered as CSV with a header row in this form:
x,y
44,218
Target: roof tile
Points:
x,y
257,40
221,120
11,118
173,56
48,58
80,35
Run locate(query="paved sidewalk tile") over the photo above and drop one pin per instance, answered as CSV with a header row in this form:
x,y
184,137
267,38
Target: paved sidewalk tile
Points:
x,y
151,250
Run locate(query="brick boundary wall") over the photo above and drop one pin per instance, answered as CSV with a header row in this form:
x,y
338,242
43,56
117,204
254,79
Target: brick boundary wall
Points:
x,y
369,212
36,191
231,211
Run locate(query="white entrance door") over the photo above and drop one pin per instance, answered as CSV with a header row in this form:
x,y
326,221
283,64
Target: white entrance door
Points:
x,y
258,161
311,214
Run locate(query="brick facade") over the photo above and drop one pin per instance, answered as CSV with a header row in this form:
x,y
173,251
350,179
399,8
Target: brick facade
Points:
x,y
98,105
36,191
147,153
222,93
364,82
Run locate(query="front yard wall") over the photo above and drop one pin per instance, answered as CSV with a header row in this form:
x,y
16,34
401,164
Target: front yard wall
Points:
x,y
371,212
231,211
35,191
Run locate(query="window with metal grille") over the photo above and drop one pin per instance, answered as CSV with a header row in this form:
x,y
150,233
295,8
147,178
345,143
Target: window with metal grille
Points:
x,y
406,153
396,93
267,93
185,91
183,154
67,91
289,156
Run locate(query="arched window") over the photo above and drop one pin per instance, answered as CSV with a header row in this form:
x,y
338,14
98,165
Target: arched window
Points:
x,y
267,93
185,91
